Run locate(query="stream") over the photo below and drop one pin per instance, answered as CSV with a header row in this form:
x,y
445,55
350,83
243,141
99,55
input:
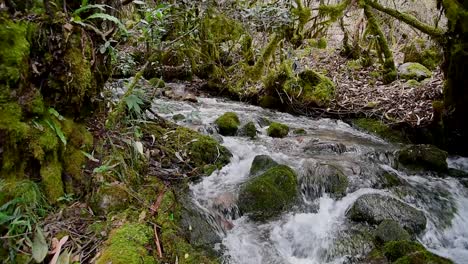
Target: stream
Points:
x,y
315,229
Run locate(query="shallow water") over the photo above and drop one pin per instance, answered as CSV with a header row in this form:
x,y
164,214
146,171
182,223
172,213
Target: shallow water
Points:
x,y
308,232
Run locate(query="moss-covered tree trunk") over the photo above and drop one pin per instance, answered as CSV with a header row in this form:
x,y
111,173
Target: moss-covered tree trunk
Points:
x,y
455,67
390,73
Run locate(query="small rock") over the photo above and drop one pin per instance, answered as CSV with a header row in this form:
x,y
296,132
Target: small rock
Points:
x,y
190,98
178,117
317,146
248,130
320,178
228,124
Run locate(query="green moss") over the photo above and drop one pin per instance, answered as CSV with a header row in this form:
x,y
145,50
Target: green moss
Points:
x,y
269,194
51,174
380,129
178,117
415,71
311,88
260,164
26,191
299,131
73,162
268,101
248,130
422,257
80,70
37,105
127,245
408,252
43,140
228,124
77,134
277,130
256,72
14,52
11,122
412,83
320,43
390,180
110,198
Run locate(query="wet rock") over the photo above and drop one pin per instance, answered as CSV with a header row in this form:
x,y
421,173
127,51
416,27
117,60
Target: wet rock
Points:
x,y
374,208
190,98
413,71
269,194
198,225
354,241
248,130
228,124
277,130
459,174
423,157
315,145
178,117
388,180
261,163
263,121
319,178
390,230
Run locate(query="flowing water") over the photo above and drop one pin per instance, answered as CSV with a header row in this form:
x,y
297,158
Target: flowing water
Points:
x,y
316,229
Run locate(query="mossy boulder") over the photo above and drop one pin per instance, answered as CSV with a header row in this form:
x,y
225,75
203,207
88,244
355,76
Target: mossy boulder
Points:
x,y
128,245
413,71
228,124
277,130
407,252
248,130
311,88
268,194
375,208
110,198
423,157
260,164
390,230
178,117
380,129
323,178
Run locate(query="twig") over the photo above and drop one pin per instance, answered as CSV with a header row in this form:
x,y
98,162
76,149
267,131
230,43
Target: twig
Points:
x,y
155,206
156,240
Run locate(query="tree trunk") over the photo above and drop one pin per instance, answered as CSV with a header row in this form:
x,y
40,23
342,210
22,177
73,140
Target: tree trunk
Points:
x,y
455,67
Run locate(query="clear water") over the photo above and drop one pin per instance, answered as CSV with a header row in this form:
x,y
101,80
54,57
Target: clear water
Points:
x,y
308,232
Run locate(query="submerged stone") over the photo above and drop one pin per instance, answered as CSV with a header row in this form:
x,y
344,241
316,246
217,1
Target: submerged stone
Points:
x,y
423,157
317,146
269,194
228,124
408,252
375,208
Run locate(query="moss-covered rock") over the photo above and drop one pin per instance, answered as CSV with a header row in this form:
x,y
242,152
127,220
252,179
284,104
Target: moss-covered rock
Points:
x,y
413,71
157,83
389,230
228,124
269,194
311,88
178,117
128,245
110,198
423,157
51,175
380,129
248,130
407,252
277,130
260,164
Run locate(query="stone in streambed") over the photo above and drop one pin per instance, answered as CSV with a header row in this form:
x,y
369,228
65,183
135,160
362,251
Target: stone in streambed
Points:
x,y
390,230
423,157
248,130
277,130
228,124
323,178
268,194
375,208
260,164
